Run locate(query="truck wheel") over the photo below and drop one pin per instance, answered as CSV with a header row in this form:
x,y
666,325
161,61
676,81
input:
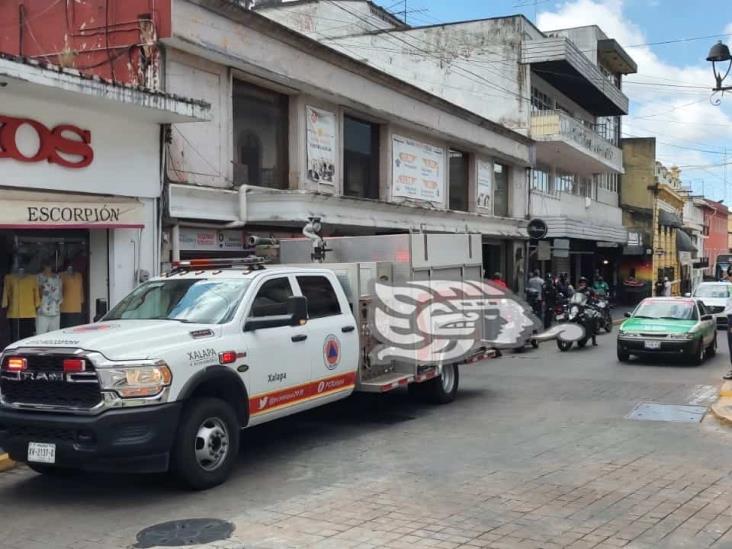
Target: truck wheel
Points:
x,y
207,443
443,389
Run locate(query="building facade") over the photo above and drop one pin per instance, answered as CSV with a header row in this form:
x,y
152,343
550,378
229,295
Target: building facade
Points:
x,y
300,129
561,88
716,219
653,201
80,191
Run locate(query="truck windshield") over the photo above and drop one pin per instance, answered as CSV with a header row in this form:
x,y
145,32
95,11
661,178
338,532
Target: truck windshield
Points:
x,y
201,301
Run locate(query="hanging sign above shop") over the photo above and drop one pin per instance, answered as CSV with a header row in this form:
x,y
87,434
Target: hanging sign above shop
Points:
x,y
210,240
27,140
20,209
418,170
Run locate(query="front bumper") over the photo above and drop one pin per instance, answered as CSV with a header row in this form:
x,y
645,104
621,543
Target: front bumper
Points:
x,y
677,347
131,439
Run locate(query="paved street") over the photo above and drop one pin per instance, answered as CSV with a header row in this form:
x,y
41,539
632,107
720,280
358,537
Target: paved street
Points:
x,y
536,452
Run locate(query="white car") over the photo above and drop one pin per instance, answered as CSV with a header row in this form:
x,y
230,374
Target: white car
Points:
x,y
717,298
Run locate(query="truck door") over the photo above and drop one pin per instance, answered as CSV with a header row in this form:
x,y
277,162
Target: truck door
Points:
x,y
334,352
277,357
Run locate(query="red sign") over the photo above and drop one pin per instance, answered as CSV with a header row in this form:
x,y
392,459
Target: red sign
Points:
x,y
57,145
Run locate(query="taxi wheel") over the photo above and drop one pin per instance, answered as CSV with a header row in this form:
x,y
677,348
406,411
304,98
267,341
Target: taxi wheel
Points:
x,y
623,356
712,349
699,353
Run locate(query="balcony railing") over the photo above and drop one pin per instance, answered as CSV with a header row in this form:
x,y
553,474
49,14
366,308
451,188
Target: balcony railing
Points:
x,y
557,125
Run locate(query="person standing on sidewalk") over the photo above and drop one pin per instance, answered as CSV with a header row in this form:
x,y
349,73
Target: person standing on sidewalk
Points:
x,y
728,375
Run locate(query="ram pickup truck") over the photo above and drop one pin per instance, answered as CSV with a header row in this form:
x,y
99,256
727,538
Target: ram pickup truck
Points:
x,y
167,379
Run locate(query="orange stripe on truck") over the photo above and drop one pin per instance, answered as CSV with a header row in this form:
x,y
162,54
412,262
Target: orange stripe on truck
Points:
x,y
266,402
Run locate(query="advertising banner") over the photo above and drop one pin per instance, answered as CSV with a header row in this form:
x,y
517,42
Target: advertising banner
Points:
x,y
321,144
484,187
210,239
418,170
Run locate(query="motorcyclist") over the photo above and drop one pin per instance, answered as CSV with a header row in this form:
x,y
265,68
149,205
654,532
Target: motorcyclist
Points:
x,y
563,285
583,286
601,287
549,296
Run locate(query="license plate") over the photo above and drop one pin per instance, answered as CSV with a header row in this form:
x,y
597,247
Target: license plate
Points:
x,y
652,344
42,452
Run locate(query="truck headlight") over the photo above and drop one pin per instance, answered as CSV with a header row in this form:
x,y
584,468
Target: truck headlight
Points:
x,y
135,381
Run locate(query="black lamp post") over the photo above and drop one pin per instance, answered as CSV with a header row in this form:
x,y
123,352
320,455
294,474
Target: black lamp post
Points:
x,y
720,54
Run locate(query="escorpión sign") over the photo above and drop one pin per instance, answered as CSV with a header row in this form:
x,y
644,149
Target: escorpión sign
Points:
x,y
65,145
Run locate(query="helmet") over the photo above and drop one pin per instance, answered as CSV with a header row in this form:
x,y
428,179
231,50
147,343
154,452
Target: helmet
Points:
x,y
583,280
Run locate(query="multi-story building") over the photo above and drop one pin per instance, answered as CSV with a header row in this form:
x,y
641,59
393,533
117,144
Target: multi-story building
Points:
x,y
561,88
716,219
693,218
298,128
653,201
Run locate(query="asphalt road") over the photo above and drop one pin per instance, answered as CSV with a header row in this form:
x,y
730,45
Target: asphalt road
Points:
x,y
536,452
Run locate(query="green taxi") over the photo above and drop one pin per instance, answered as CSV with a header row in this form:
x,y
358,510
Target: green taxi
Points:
x,y
668,326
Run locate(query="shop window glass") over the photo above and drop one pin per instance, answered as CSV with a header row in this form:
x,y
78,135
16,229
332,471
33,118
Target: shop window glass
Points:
x,y
260,136
44,282
360,158
500,197
458,181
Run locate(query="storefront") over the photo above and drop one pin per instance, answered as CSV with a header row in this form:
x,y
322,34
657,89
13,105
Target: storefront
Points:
x,y
79,194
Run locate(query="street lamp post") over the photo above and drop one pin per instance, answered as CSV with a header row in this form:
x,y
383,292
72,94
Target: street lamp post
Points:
x,y
719,54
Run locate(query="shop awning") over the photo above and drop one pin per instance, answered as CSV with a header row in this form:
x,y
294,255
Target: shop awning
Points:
x,y
684,242
669,219
40,210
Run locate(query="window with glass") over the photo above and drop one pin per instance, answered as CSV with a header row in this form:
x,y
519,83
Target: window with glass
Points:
x,y
667,309
540,101
261,120
191,300
565,182
541,181
322,299
500,194
272,298
360,158
458,175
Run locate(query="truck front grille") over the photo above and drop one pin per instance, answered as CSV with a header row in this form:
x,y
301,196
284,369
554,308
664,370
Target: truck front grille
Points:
x,y
53,388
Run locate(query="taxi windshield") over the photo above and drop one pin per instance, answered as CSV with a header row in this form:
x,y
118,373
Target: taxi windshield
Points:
x,y
203,301
714,290
670,310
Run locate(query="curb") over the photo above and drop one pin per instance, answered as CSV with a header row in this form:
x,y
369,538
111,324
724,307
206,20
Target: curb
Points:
x,y
722,409
6,463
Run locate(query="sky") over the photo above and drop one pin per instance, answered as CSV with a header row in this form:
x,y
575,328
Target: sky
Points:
x,y
670,96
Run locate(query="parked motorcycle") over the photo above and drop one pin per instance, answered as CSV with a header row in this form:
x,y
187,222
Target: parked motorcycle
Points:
x,y
603,307
580,312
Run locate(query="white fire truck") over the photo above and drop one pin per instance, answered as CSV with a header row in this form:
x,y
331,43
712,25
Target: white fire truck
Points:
x,y
168,377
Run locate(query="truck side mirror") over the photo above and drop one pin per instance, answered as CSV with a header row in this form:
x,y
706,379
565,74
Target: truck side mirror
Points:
x,y
100,309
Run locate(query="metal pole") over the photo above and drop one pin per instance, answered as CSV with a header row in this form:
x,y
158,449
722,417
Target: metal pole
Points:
x,y
654,232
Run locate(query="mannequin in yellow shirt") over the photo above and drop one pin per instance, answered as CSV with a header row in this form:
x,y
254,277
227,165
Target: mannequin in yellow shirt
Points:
x,y
21,298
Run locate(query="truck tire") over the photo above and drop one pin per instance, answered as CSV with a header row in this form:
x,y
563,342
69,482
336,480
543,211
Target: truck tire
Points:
x,y
207,444
443,389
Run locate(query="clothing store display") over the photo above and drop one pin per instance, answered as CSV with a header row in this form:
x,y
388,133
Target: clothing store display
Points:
x,y
49,285
72,284
21,296
45,323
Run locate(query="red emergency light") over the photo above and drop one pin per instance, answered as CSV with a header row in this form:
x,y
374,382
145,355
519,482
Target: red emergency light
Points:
x,y
72,365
